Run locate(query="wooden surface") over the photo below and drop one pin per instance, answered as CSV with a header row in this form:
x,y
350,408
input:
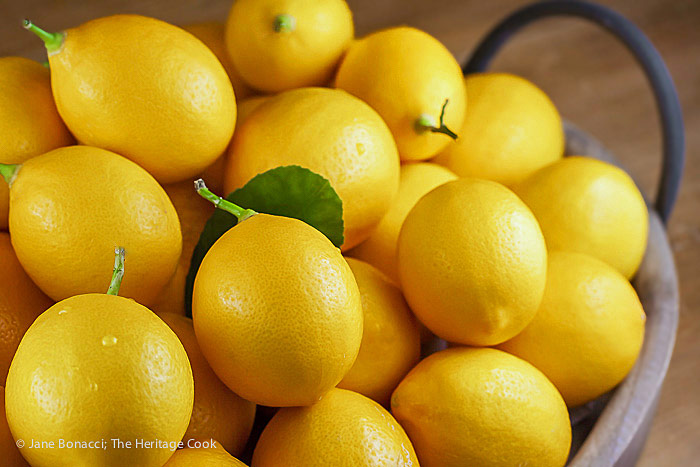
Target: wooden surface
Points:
x,y
594,83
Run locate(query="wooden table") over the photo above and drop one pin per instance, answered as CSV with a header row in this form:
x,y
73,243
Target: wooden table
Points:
x,y
590,77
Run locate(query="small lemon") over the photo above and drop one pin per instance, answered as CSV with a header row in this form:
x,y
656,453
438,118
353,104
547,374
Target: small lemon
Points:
x,y
592,207
390,339
415,180
588,330
472,262
344,429
511,129
482,407
278,46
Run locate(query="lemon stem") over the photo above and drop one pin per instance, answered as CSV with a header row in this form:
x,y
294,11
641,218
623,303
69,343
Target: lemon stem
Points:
x,y
52,40
426,122
118,273
45,64
220,203
9,172
285,23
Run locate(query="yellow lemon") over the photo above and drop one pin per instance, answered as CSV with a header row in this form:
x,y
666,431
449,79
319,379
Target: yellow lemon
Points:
x,y
277,311
511,129
20,303
217,413
11,456
69,209
278,46
588,206
29,122
99,367
415,180
588,331
390,340
331,133
203,457
212,34
343,429
472,262
470,406
407,76
144,89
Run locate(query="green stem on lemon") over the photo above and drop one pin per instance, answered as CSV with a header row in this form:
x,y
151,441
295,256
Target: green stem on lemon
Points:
x,y
221,203
52,40
285,23
426,122
45,64
118,273
9,172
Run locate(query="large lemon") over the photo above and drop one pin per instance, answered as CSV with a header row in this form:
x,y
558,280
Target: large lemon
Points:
x,y
407,76
472,262
588,331
277,311
591,207
69,209
511,130
344,429
99,367
415,180
482,407
331,133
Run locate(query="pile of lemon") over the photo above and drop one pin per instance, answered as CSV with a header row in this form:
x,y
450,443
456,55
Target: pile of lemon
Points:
x,y
462,221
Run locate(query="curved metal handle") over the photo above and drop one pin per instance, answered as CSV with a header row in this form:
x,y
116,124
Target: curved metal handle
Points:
x,y
646,54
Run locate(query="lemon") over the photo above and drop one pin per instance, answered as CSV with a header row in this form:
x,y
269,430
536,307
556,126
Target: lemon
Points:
x,y
278,46
470,406
144,89
29,122
10,453
511,129
203,457
99,367
277,311
415,180
217,413
407,76
472,262
20,303
588,206
212,34
331,133
390,340
343,429
588,331
69,209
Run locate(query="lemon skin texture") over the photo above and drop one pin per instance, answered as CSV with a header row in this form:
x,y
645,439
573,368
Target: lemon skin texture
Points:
x,y
147,90
71,207
479,406
20,303
304,54
390,339
344,429
203,457
96,367
331,133
29,122
511,130
277,311
472,262
10,453
403,73
415,180
588,330
217,413
592,207
212,34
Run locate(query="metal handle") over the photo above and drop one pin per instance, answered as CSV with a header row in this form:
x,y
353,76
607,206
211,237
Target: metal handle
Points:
x,y
643,50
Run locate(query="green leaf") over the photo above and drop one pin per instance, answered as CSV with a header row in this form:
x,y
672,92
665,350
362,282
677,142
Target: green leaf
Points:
x,y
289,191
